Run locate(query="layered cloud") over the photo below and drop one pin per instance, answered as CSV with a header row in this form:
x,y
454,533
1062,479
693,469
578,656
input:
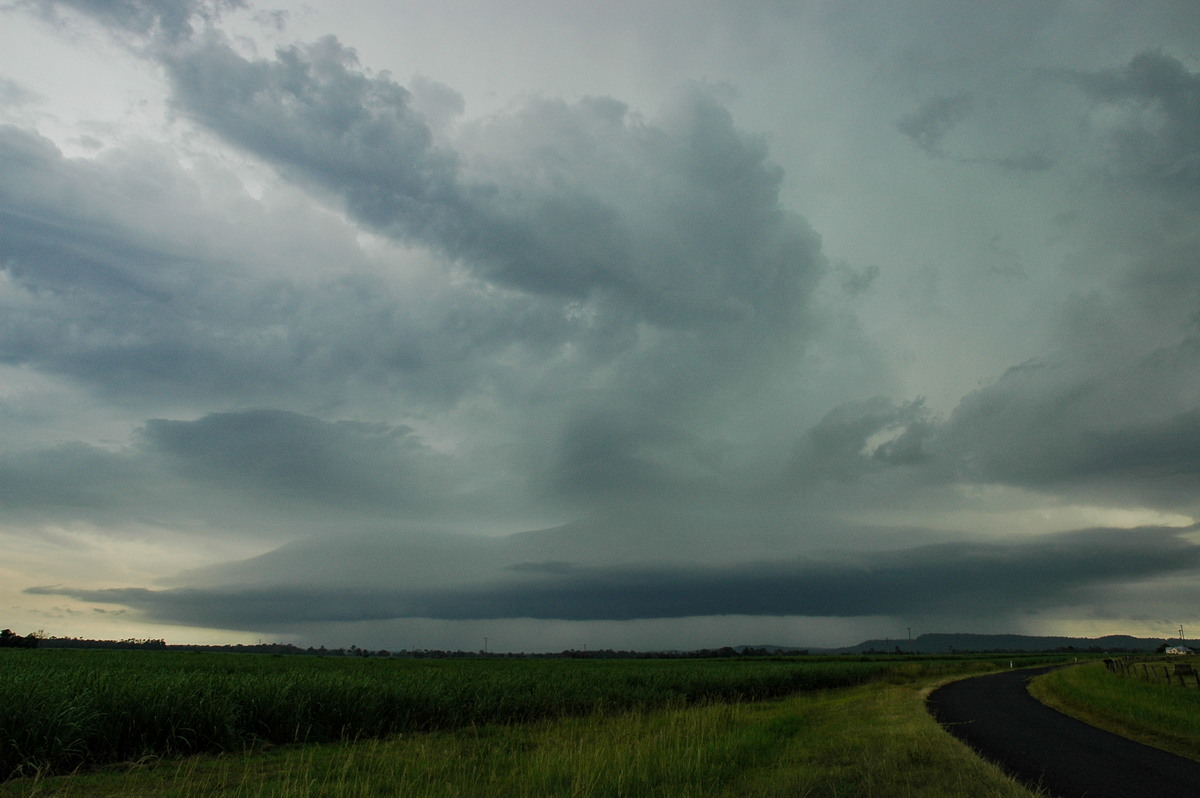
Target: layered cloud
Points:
x,y
620,275
332,314
170,19
1066,428
661,249
977,580
1158,131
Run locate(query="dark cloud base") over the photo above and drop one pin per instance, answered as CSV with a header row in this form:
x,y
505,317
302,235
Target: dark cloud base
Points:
x,y
969,579
613,316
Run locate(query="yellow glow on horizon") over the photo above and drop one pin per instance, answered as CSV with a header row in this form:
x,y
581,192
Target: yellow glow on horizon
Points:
x,y
85,556
1011,511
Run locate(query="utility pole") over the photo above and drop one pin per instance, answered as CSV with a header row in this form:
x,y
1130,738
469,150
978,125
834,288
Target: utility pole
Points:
x,y
484,645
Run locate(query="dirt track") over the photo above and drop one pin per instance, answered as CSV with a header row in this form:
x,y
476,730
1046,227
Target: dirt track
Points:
x,y
997,717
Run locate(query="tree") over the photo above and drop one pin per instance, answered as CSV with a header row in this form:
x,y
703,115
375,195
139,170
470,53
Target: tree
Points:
x,y
10,639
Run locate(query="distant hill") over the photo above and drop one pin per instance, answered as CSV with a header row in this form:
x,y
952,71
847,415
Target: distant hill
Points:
x,y
965,643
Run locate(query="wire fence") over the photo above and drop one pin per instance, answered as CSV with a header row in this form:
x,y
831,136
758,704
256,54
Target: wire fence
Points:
x,y
1183,674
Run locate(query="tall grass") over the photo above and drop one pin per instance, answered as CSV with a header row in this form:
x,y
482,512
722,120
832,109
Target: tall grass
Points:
x,y
870,740
1163,715
62,709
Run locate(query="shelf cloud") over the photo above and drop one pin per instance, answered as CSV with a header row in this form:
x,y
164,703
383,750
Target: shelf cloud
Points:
x,y
319,319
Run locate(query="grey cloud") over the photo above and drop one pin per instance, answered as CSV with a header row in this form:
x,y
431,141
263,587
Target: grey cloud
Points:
x,y
313,112
13,94
72,479
437,103
975,580
606,455
933,121
1127,431
240,471
591,311
96,298
431,557
107,291
646,267
584,202
1165,145
664,246
290,457
547,567
855,282
938,117
1164,287
1117,430
169,18
156,323
1028,162
650,264
404,556
860,437
276,19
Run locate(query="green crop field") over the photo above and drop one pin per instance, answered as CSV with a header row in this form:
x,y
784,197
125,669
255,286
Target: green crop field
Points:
x,y
1166,716
135,722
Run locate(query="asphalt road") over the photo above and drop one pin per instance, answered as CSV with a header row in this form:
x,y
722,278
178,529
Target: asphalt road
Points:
x,y
1044,748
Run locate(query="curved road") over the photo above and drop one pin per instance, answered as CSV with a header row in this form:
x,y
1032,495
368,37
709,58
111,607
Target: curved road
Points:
x,y
997,717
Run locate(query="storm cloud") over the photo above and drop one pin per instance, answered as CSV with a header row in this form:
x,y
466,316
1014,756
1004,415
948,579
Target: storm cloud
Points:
x,y
322,319
172,19
976,579
934,120
589,202
1159,134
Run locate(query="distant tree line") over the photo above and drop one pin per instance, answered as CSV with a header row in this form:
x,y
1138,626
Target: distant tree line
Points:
x,y
130,643
602,653
144,644
10,639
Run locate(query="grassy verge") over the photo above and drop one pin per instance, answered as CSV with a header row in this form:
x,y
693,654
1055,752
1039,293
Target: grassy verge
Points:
x,y
64,711
1164,716
870,740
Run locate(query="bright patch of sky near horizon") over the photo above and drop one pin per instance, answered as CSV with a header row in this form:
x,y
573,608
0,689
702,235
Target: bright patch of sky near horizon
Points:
x,y
740,296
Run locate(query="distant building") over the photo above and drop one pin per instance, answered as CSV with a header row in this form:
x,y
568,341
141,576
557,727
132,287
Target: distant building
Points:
x,y
1179,650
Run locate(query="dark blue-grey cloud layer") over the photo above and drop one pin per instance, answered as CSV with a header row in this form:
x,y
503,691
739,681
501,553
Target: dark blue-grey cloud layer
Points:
x,y
1088,431
713,219
1164,145
969,579
264,463
116,285
171,19
626,276
584,312
934,120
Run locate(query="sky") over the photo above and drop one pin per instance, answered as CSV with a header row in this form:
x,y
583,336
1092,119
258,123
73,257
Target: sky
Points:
x,y
631,325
